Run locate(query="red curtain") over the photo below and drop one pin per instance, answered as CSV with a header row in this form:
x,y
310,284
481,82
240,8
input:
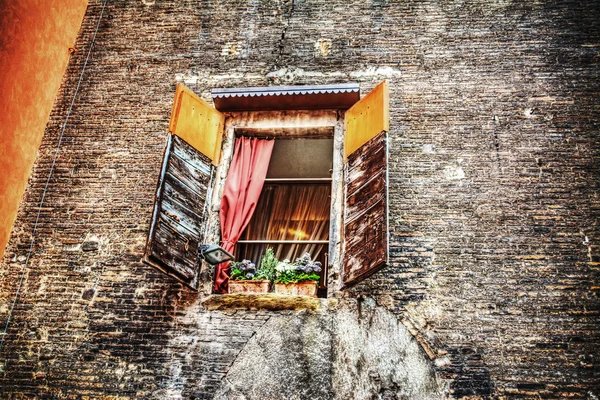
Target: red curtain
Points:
x,y
244,183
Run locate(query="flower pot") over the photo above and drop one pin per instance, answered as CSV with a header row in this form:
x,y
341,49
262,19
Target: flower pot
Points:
x,y
308,288
254,286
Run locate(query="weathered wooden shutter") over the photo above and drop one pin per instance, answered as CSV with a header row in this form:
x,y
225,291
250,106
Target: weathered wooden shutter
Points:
x,y
366,237
184,186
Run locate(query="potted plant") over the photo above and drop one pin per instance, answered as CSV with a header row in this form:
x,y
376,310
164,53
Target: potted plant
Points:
x,y
300,278
267,266
245,279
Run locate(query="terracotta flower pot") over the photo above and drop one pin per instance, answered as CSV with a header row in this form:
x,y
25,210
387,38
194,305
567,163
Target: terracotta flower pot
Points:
x,y
255,286
308,288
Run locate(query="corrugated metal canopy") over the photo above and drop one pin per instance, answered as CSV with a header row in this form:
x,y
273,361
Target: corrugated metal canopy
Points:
x,y
338,96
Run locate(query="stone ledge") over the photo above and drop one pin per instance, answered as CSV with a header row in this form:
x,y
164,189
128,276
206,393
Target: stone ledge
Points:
x,y
257,301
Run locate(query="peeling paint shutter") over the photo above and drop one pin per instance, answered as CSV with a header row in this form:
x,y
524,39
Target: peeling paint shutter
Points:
x,y
178,220
366,237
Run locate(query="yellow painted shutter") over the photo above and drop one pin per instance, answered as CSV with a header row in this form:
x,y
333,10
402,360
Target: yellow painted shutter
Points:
x,y
183,191
367,118
366,236
196,122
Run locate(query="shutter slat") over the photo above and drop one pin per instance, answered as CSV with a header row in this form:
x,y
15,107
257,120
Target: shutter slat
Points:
x,y
186,218
175,248
191,177
183,200
191,156
365,179
362,201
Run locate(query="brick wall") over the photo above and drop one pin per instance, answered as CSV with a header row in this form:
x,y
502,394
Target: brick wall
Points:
x,y
493,191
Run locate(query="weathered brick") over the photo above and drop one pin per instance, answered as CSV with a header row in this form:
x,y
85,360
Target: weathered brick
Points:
x,y
493,177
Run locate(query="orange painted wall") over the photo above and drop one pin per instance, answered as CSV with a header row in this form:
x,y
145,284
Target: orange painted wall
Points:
x,y
35,36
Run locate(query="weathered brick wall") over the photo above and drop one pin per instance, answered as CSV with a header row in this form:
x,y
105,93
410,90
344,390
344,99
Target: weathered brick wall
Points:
x,y
493,190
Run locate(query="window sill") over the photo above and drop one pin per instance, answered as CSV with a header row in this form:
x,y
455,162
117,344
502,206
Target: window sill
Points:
x,y
266,301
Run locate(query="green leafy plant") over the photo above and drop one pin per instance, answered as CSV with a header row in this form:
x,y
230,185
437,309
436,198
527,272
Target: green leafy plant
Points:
x,y
242,271
246,270
302,270
267,266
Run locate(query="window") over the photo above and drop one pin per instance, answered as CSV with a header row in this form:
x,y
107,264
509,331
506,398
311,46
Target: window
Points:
x,y
303,196
293,212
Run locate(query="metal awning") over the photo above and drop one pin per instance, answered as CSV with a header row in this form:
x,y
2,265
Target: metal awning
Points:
x,y
311,97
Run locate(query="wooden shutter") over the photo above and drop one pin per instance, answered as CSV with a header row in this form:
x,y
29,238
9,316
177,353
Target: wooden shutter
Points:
x,y
366,237
196,122
184,187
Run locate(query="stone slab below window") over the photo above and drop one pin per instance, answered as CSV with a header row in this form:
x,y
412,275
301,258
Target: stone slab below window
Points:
x,y
266,301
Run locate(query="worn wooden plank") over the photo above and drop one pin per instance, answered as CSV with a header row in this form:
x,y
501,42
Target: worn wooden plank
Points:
x,y
366,245
190,155
191,199
189,220
157,197
365,216
175,248
183,205
365,179
183,171
362,201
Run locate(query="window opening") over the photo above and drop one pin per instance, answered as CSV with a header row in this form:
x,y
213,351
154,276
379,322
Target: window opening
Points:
x,y
293,212
358,219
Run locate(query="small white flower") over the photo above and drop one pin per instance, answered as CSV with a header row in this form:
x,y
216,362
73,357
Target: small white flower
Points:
x,y
280,267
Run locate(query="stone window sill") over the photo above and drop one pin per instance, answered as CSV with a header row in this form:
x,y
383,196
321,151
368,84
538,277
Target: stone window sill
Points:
x,y
266,301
